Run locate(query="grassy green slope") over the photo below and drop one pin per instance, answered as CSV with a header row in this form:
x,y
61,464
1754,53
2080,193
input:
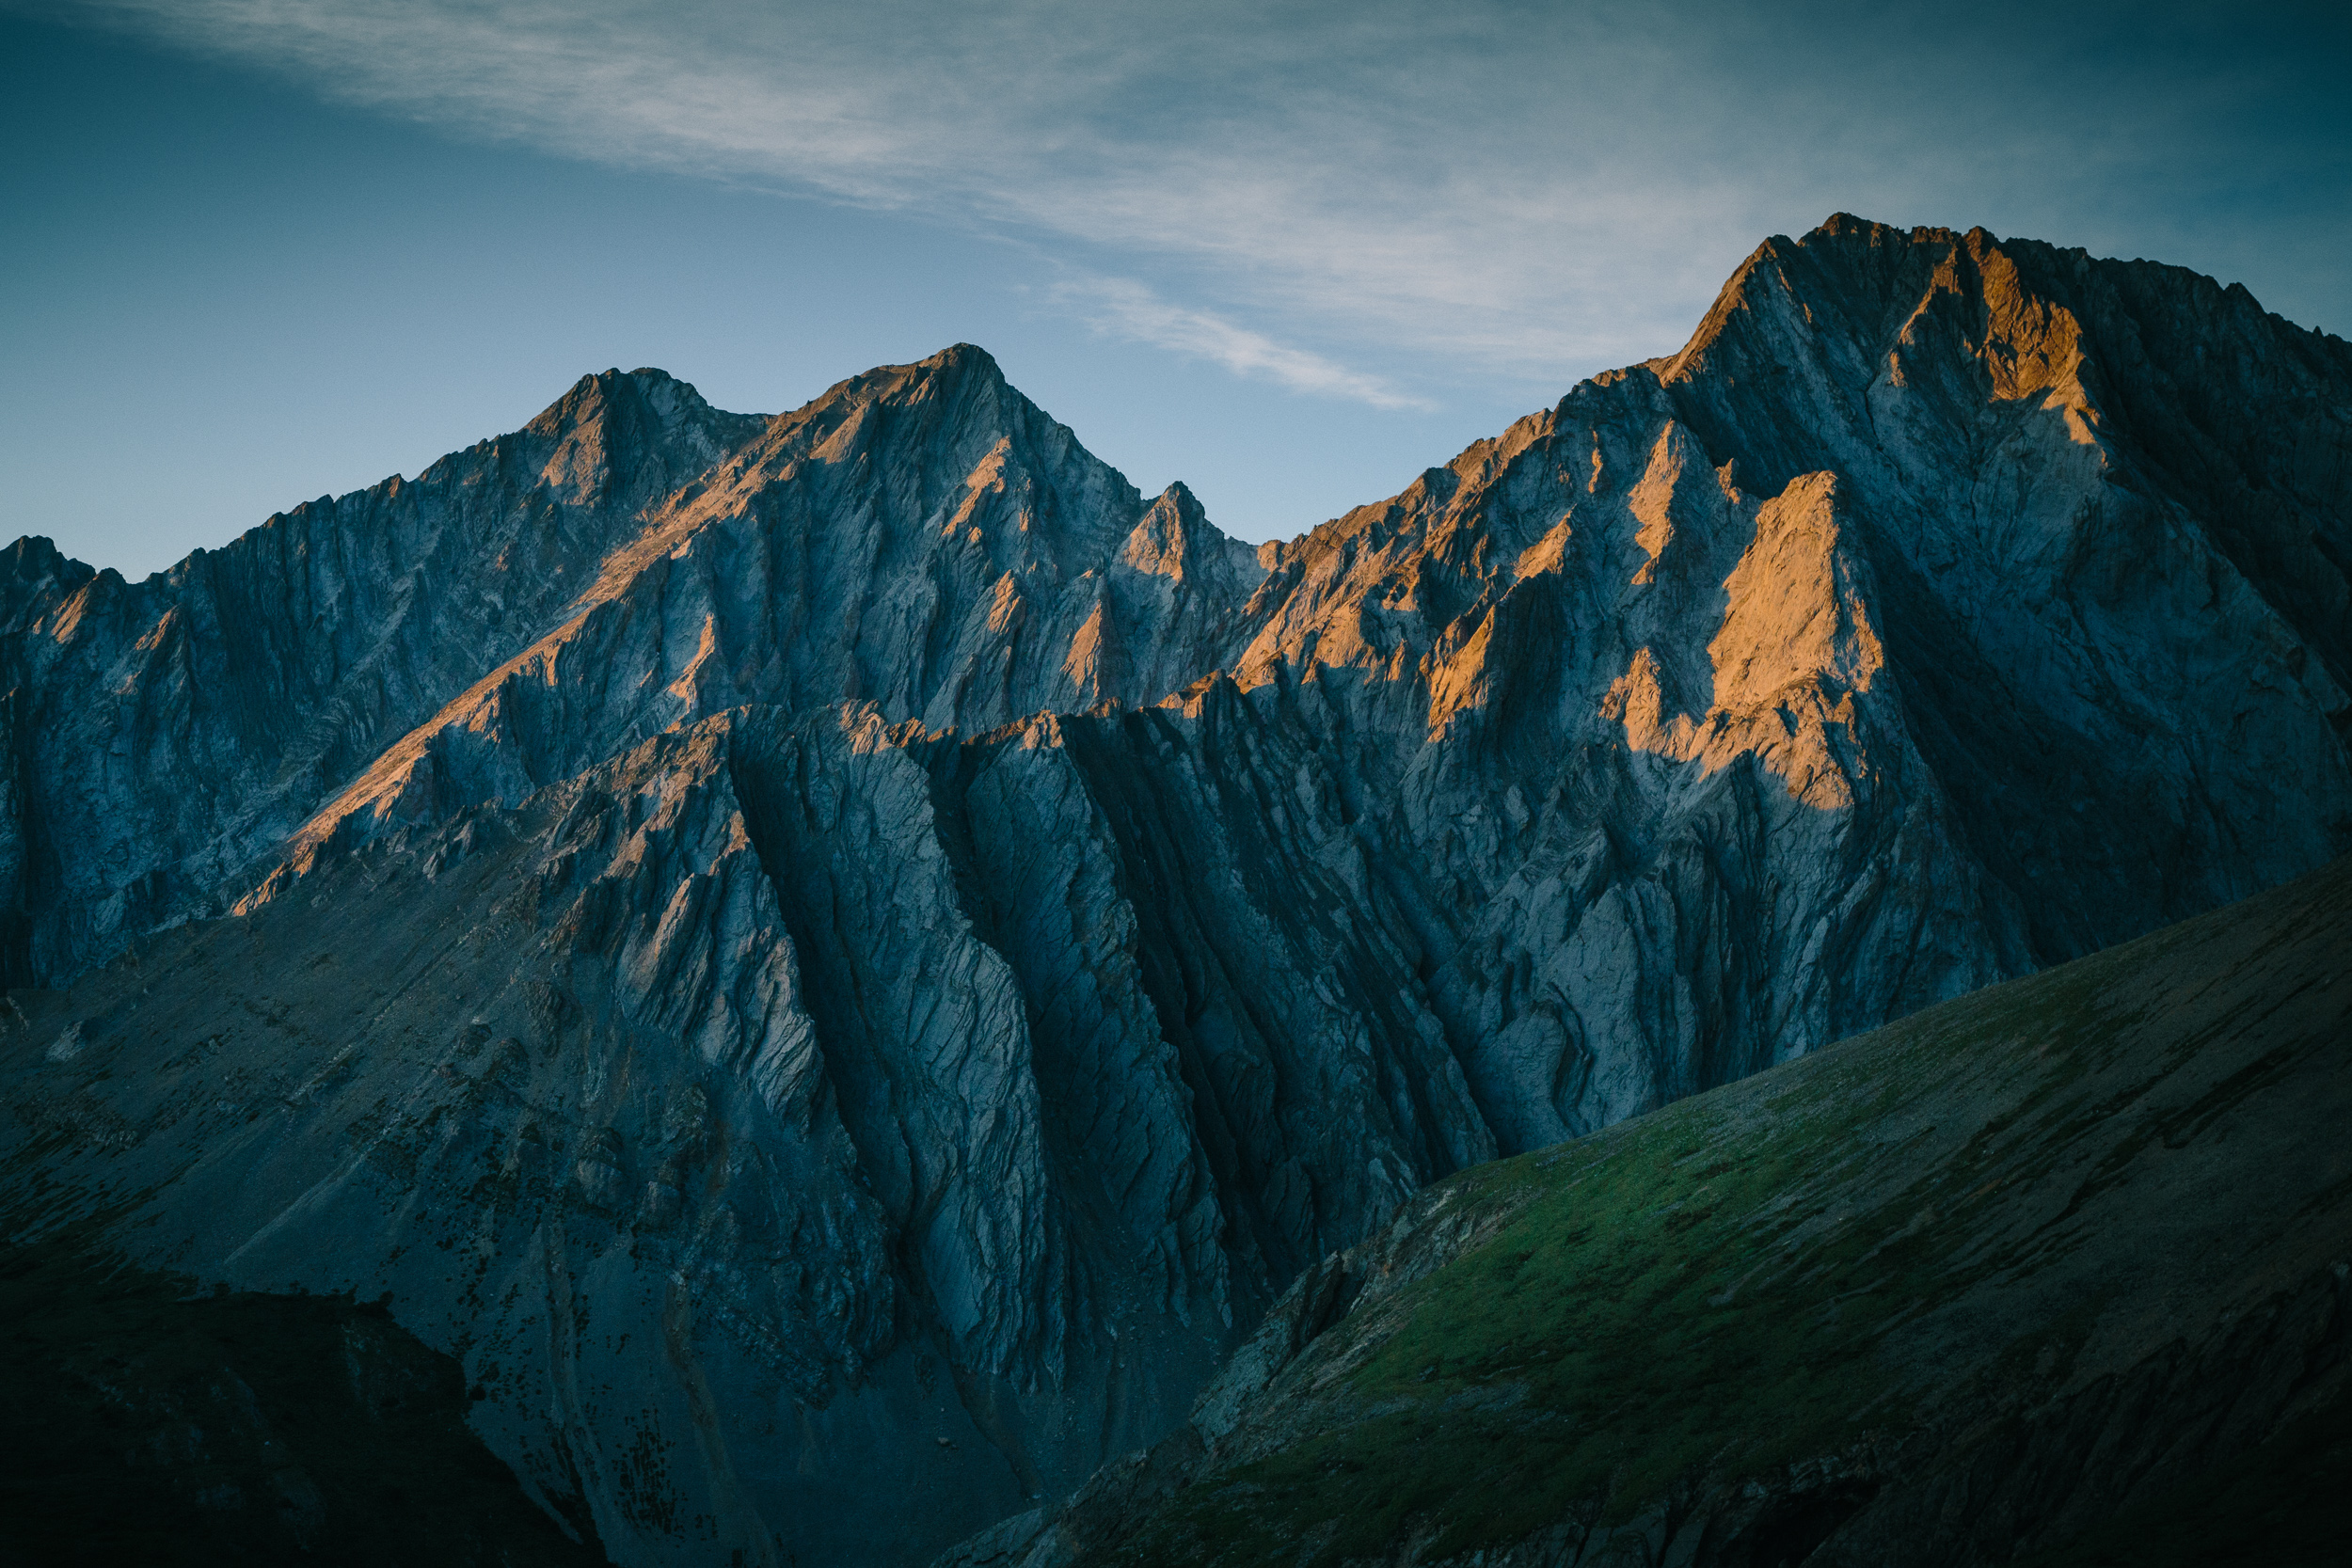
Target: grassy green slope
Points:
x,y
1957,1289
139,1424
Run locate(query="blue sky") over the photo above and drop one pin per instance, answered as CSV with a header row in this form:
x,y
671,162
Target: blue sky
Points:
x,y
259,250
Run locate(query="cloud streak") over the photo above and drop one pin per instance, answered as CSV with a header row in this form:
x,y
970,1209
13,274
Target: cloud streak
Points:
x,y
1123,307
1489,190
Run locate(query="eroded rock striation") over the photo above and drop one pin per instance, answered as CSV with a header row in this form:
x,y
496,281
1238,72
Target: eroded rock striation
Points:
x,y
842,962
2054,1273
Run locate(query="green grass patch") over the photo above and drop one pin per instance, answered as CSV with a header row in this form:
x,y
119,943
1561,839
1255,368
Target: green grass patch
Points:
x,y
1701,1294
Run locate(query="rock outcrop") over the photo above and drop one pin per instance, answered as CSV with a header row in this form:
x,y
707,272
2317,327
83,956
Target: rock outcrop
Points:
x,y
2009,1280
843,961
165,736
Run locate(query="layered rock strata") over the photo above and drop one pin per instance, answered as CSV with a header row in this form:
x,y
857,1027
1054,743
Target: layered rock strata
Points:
x,y
2011,1280
842,960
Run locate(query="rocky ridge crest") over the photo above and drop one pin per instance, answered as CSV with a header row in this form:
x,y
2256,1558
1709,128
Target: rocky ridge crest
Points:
x,y
935,942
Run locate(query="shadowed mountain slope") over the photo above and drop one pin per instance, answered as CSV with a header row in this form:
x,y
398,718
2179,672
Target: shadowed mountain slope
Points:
x,y
144,1424
840,962
2056,1268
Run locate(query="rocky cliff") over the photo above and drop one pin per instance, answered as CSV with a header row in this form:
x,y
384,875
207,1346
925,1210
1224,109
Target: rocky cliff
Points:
x,y
2054,1273
841,962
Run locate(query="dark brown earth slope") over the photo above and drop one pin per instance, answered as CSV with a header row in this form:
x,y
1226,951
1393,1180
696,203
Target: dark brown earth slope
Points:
x,y
143,1421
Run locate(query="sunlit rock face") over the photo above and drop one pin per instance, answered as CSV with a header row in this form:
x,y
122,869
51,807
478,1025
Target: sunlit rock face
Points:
x,y
166,736
842,960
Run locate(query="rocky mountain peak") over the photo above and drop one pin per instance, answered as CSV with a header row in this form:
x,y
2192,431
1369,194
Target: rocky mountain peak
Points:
x,y
958,362
922,537
34,572
597,397
870,902
656,428
1176,540
1159,542
961,393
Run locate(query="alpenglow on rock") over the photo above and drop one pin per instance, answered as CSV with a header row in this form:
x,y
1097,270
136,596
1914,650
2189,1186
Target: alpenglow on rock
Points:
x,y
841,962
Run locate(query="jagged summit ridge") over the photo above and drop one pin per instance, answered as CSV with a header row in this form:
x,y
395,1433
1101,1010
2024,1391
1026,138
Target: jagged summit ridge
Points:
x,y
936,940
169,733
385,654
922,537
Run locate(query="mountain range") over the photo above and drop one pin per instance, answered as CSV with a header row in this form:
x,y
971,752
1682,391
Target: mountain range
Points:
x,y
2054,1273
841,963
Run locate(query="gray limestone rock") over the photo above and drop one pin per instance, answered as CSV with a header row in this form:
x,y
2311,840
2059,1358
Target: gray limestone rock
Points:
x,y
844,962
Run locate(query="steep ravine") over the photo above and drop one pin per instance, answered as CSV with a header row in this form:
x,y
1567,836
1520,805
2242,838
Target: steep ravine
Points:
x,y
841,962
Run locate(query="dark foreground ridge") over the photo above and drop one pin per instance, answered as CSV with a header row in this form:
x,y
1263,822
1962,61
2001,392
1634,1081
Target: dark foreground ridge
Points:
x,y
2057,1272
140,1424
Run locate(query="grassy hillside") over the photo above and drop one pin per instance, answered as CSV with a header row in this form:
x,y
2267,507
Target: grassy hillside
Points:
x,y
2056,1268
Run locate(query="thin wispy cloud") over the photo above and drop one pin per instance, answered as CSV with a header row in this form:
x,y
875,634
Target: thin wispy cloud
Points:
x,y
1123,307
1341,200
